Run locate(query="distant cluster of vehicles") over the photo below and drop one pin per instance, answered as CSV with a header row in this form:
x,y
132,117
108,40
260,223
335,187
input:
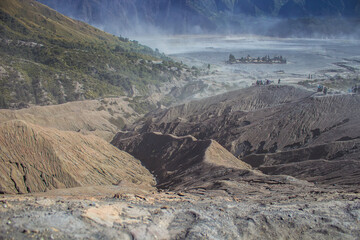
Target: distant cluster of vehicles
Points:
x,y
257,60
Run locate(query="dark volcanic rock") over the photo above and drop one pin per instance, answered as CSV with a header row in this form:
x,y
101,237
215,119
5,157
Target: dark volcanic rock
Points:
x,y
272,122
187,164
333,163
174,160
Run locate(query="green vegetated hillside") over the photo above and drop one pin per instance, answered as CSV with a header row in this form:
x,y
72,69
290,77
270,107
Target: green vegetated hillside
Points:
x,y
47,58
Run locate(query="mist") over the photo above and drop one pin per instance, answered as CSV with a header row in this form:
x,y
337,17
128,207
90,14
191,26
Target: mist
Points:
x,y
137,18
318,28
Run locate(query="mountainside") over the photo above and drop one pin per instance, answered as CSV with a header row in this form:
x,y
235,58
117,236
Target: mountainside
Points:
x,y
275,128
37,159
48,58
199,16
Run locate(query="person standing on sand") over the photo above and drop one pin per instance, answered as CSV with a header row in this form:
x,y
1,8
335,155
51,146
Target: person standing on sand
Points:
x,y
320,88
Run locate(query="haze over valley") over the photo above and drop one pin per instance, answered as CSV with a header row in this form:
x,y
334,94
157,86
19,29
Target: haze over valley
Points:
x,y
174,119
260,17
312,60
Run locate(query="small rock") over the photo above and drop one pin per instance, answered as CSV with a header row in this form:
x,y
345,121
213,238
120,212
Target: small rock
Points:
x,y
8,222
157,211
117,195
26,231
93,204
140,197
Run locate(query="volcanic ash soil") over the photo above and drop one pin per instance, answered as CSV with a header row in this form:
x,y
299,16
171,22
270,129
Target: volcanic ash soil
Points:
x,y
269,162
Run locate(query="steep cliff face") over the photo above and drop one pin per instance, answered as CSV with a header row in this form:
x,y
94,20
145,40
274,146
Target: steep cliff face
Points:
x,y
179,16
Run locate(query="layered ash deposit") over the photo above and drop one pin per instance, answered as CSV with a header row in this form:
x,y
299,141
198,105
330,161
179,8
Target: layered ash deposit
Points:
x,y
278,129
187,164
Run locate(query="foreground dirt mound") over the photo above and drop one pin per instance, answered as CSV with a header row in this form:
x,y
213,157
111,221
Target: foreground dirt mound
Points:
x,y
268,119
37,159
185,163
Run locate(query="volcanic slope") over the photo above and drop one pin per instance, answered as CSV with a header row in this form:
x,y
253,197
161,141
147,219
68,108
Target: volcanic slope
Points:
x,y
102,118
186,164
263,123
36,159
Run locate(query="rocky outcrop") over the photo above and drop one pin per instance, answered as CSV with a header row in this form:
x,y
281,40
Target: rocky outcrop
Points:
x,y
37,159
170,215
269,122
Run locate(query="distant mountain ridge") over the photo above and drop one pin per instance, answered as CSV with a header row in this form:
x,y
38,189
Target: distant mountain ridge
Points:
x,y
197,16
